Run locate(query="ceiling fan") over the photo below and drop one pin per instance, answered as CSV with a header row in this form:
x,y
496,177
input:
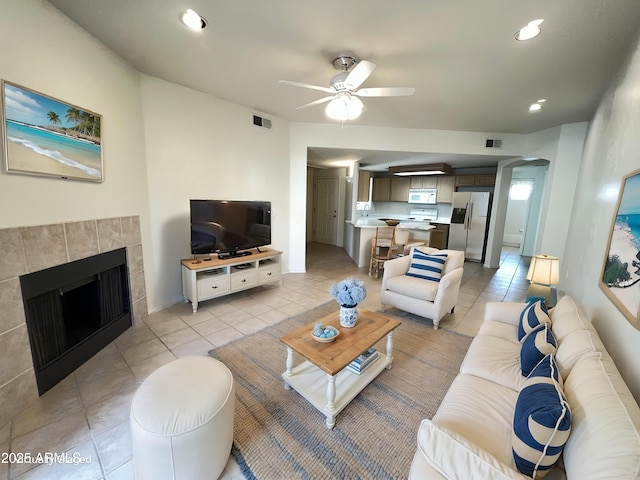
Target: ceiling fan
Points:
x,y
344,103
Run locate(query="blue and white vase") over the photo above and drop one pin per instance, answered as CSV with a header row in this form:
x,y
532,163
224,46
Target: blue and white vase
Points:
x,y
348,315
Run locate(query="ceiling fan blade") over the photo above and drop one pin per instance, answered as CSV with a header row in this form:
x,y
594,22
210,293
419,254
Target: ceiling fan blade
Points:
x,y
360,73
306,85
317,102
385,92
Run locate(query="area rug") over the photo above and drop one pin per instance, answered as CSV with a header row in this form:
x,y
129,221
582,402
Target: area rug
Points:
x,y
279,435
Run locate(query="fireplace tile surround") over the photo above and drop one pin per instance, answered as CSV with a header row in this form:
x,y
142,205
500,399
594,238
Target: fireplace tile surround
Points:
x,y
30,249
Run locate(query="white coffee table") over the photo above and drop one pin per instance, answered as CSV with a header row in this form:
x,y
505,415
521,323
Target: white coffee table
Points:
x,y
322,378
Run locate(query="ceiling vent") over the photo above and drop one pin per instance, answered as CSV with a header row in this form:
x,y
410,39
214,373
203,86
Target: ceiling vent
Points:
x,y
261,122
492,143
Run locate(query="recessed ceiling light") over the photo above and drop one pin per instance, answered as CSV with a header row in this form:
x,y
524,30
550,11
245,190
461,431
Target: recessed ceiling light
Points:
x,y
542,100
535,107
531,30
192,20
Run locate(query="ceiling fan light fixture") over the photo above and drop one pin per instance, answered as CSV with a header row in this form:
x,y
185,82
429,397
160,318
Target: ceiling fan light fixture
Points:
x,y
192,20
344,107
429,169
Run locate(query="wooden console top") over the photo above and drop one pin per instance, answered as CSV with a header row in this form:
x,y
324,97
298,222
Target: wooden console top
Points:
x,y
198,264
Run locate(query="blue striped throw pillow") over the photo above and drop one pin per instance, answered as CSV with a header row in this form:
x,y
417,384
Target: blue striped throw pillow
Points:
x,y
533,314
539,343
428,267
541,422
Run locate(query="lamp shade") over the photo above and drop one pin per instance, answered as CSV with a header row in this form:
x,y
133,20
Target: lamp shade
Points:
x,y
544,270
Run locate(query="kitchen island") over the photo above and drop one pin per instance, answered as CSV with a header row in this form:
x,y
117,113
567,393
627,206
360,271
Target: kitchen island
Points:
x,y
364,230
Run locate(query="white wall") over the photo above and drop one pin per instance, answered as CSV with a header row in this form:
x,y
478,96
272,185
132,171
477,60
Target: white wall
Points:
x,y
612,150
562,147
199,146
45,51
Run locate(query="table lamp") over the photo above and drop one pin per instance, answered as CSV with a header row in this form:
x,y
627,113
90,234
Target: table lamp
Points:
x,y
544,274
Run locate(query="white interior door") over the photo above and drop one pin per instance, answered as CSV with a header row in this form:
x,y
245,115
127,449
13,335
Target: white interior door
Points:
x,y
325,209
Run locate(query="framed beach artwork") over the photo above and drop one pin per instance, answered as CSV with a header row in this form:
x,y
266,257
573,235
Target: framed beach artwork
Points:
x,y
46,136
620,279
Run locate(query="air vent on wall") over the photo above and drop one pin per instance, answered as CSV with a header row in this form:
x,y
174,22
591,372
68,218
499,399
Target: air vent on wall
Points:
x,y
493,143
261,122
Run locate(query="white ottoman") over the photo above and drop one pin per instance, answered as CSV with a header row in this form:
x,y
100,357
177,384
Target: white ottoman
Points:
x,y
182,420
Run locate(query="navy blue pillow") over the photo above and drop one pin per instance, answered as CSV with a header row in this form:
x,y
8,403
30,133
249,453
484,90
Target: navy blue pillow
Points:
x,y
541,422
533,314
536,345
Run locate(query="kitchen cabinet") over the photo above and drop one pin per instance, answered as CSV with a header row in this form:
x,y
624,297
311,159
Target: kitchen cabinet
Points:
x,y
465,180
486,180
439,236
424,181
364,183
399,189
478,180
446,187
381,189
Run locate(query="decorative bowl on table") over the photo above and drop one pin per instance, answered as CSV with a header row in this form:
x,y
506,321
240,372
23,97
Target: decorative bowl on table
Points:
x,y
391,222
329,334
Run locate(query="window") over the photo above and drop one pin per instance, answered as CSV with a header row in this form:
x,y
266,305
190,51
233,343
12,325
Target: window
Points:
x,y
520,189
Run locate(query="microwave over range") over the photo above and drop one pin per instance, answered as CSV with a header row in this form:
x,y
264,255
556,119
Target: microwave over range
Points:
x,y
426,196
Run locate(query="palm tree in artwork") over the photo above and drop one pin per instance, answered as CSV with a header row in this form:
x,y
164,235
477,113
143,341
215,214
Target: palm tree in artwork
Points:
x,y
53,118
74,115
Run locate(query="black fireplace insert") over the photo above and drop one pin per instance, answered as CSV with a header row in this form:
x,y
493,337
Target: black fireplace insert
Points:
x,y
73,311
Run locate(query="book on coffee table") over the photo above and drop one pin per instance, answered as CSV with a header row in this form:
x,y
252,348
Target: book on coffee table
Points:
x,y
360,367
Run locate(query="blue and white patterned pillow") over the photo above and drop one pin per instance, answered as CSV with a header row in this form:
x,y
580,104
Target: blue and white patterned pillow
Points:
x,y
534,313
541,422
428,267
536,345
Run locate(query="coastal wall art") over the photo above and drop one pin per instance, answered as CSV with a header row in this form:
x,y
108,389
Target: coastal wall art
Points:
x,y
620,279
46,136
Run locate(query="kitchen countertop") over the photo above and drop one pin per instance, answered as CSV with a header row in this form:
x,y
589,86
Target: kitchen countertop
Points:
x,y
405,222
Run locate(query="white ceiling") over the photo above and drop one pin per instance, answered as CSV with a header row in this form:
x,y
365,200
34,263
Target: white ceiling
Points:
x,y
460,55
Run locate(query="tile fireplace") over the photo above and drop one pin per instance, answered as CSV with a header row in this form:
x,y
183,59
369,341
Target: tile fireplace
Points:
x,y
26,250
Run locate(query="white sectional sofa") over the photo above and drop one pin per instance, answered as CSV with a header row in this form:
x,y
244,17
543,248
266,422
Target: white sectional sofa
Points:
x,y
471,435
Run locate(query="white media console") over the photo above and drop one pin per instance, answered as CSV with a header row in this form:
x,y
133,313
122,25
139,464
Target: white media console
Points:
x,y
211,278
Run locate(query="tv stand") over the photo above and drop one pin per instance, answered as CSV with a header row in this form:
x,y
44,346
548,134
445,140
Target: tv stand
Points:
x,y
222,276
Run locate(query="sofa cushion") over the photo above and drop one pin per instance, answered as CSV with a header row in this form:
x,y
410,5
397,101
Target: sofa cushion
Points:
x,y
494,359
605,431
539,343
506,331
413,287
453,456
541,422
533,314
425,266
573,347
567,317
482,412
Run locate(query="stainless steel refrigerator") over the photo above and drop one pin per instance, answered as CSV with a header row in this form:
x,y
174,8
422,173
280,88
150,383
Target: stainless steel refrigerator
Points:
x,y
469,220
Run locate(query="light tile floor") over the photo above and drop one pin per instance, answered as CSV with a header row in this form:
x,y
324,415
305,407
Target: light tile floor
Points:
x,y
88,412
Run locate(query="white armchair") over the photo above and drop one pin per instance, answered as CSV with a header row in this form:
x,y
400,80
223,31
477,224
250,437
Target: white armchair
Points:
x,y
422,297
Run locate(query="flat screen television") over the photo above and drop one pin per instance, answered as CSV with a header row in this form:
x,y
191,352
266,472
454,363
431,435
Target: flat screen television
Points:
x,y
229,226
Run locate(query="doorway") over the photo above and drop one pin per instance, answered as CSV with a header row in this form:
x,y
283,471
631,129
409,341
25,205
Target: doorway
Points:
x,y
518,208
325,210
